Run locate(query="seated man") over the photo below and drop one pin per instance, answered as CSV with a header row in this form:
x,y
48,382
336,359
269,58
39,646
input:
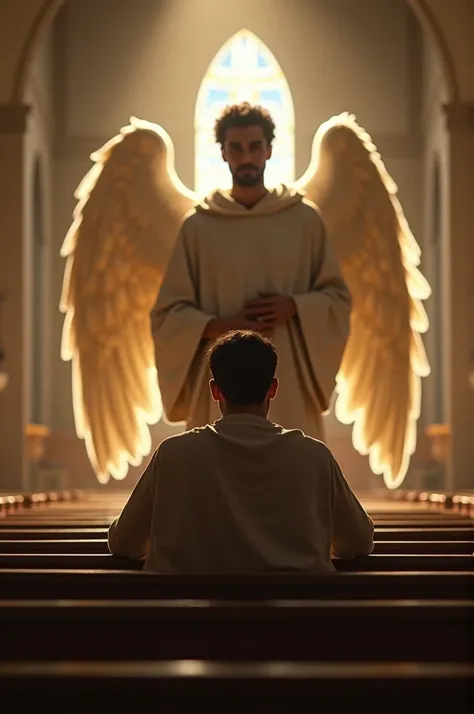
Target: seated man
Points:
x,y
242,495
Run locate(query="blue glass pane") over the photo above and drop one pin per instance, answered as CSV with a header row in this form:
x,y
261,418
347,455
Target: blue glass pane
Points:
x,y
227,61
266,85
272,95
216,95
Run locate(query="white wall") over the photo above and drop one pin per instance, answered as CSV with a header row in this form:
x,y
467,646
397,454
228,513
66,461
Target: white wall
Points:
x,y
38,160
115,58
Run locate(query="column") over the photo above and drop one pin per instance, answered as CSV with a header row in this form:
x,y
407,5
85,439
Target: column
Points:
x,y
459,307
13,400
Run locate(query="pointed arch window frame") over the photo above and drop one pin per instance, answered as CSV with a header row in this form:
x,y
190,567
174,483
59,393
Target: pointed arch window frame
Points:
x,y
243,69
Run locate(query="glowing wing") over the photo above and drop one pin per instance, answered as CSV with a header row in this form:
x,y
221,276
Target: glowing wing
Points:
x,y
378,386
129,208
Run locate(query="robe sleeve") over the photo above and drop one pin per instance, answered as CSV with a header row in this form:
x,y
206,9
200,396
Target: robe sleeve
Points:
x,y
323,318
177,326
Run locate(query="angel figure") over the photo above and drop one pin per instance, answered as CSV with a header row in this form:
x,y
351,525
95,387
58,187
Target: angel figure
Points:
x,y
327,266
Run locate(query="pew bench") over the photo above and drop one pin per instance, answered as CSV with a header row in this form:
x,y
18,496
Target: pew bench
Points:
x,y
238,630
113,585
370,563
76,532
237,687
99,546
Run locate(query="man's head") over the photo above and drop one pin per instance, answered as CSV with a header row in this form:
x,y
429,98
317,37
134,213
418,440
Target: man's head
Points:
x,y
242,365
245,133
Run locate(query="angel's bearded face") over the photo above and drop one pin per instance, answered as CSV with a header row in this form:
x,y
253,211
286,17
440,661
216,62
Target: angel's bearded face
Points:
x,y
246,151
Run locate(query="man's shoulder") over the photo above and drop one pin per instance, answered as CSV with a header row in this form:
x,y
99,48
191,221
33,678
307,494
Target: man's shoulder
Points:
x,y
316,448
304,441
184,439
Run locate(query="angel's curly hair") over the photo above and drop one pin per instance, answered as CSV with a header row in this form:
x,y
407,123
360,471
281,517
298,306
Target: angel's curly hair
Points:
x,y
244,114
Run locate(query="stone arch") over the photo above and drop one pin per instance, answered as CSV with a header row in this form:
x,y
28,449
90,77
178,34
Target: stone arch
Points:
x,y
47,10
44,17
430,23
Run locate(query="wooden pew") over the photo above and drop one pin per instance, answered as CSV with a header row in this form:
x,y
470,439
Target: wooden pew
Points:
x,y
87,546
237,687
298,630
437,539
412,599
20,533
50,518
99,545
77,532
100,508
110,585
371,563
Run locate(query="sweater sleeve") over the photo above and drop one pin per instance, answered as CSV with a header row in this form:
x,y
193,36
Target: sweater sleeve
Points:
x,y
353,529
129,534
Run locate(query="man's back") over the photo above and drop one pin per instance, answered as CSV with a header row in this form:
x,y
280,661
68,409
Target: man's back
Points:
x,y
245,495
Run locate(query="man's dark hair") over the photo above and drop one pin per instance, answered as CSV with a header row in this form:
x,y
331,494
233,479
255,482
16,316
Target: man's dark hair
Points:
x,y
244,114
243,364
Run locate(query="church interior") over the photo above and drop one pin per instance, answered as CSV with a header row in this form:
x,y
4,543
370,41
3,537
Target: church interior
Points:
x,y
393,625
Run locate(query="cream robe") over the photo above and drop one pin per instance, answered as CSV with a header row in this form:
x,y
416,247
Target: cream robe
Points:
x,y
241,496
227,254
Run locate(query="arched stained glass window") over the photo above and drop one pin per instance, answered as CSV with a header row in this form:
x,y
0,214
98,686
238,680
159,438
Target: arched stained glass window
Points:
x,y
244,69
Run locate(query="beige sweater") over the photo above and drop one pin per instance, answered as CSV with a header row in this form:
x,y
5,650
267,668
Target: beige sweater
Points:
x,y
242,495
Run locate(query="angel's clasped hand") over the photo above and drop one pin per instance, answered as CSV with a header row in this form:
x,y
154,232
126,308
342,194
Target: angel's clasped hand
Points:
x,y
271,310
262,314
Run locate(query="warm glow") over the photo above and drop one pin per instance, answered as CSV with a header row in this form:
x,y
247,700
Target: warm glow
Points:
x,y
113,409
114,381
346,164
244,69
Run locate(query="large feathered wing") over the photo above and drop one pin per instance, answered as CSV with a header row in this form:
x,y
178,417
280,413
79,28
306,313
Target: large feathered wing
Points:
x,y
379,383
129,208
